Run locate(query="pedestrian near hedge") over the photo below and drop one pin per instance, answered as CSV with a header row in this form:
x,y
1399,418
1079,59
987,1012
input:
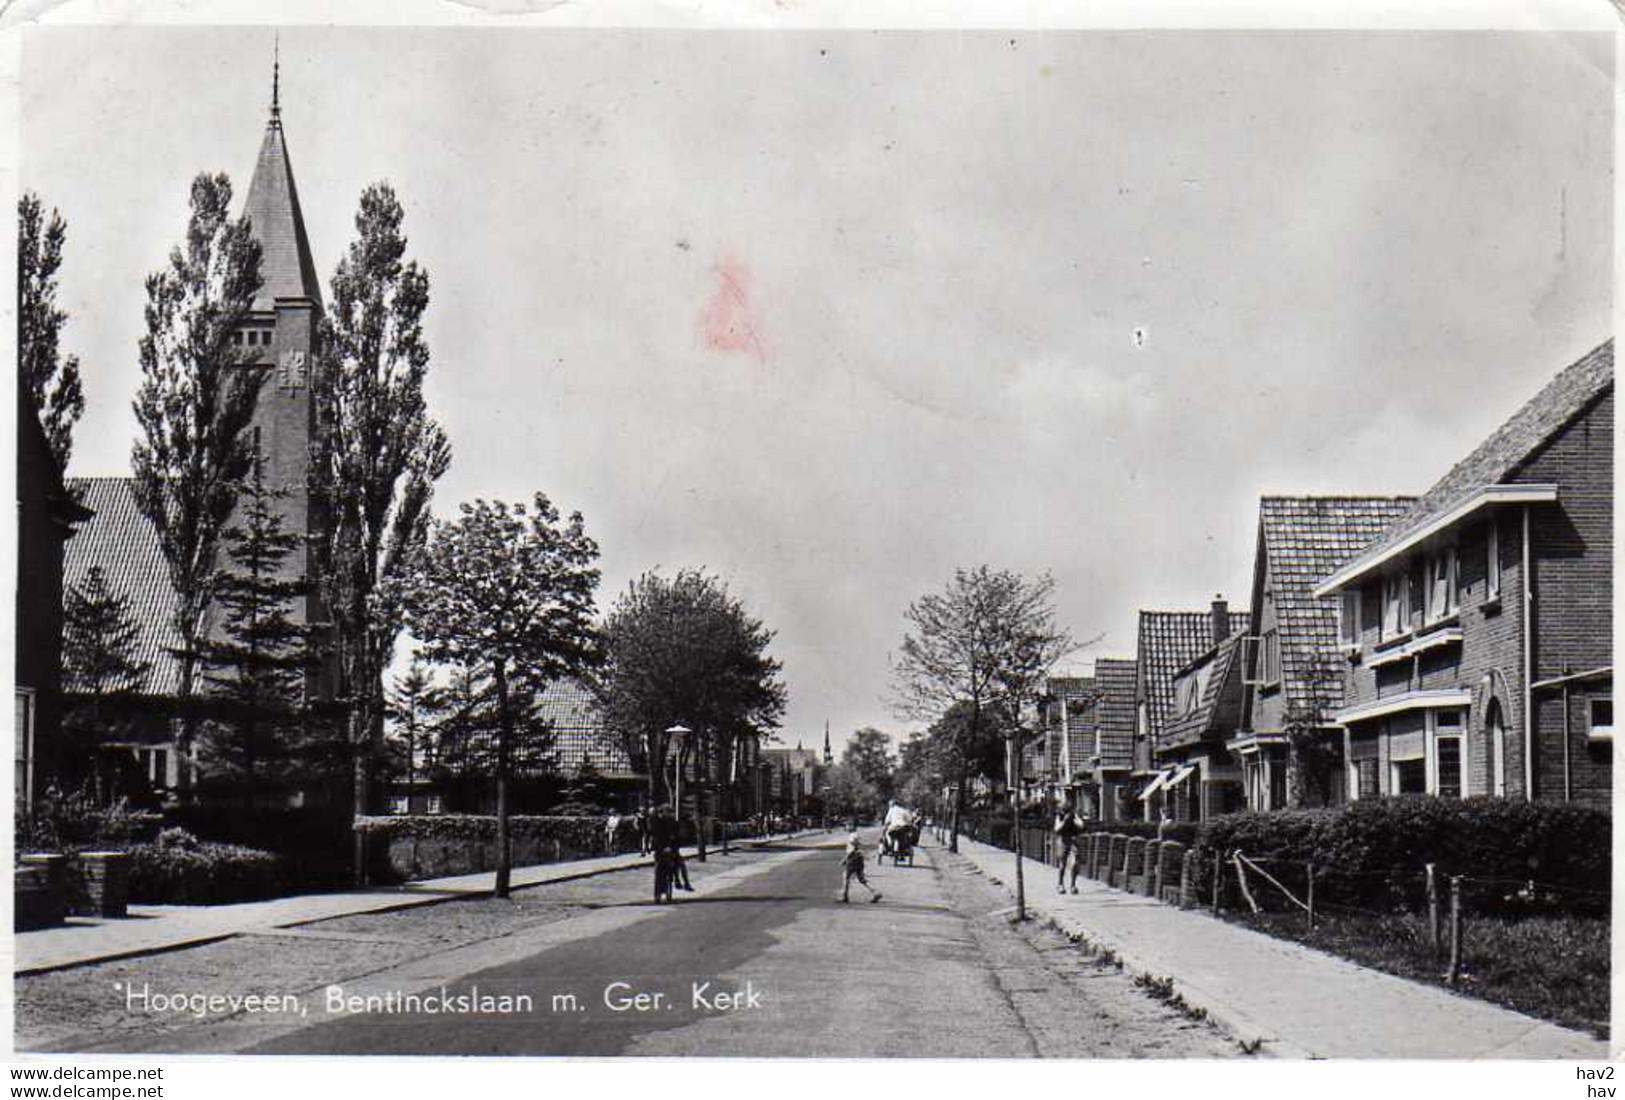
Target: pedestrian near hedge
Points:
x,y
1067,830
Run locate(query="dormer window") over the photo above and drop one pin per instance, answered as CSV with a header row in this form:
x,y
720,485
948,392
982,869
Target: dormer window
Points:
x,y
1271,644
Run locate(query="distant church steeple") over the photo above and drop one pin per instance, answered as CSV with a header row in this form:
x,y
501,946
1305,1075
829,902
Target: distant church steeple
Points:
x,y
829,757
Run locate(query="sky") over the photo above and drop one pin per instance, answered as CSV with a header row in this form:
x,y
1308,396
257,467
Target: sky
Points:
x,y
833,313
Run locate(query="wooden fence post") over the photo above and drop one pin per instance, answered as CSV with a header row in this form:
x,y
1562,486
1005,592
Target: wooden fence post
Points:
x,y
1311,895
1455,929
1433,908
1218,879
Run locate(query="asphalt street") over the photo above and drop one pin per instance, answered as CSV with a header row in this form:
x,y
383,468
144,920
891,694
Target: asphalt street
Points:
x,y
773,964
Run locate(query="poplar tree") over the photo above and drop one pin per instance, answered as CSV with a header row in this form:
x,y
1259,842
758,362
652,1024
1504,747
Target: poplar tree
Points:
x,y
194,406
377,456
50,378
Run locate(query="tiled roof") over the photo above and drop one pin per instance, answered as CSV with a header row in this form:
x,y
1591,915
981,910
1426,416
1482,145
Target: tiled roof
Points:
x,y
1115,679
1301,541
273,207
1218,660
1076,694
1083,722
579,735
1170,640
1513,443
797,759
120,540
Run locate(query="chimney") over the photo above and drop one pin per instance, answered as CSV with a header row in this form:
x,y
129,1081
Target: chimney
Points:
x,y
1221,619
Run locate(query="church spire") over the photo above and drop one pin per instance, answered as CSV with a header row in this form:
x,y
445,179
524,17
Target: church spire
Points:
x,y
286,266
276,81
829,757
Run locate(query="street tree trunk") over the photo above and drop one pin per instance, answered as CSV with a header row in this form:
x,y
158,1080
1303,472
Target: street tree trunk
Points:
x,y
1021,885
959,803
504,747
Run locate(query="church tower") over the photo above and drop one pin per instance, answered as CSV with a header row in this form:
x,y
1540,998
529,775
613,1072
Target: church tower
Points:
x,y
282,333
829,757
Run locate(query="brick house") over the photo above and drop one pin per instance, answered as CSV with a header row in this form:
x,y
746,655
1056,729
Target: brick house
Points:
x,y
1106,781
1065,721
46,516
1478,627
1292,675
1168,642
1199,777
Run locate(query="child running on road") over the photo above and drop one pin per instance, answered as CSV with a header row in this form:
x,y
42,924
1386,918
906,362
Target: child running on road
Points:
x,y
852,868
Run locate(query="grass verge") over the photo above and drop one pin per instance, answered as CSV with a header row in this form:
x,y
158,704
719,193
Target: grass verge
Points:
x,y
1553,968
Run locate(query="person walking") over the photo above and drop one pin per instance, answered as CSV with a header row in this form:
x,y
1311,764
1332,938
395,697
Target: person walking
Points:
x,y
1067,831
670,870
852,868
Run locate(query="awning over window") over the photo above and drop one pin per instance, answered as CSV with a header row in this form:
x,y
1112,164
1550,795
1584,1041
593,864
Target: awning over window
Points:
x,y
1156,784
1181,775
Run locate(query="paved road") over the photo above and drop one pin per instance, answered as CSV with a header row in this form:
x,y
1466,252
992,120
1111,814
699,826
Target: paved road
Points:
x,y
773,965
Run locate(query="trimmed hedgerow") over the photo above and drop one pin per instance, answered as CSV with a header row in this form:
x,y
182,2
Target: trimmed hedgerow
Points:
x,y
585,833
1519,856
179,869
1184,832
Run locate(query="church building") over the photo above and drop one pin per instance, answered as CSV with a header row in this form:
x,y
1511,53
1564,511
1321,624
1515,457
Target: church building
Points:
x,y
282,331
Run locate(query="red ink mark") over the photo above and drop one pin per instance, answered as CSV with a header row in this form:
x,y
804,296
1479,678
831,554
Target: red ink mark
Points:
x,y
726,322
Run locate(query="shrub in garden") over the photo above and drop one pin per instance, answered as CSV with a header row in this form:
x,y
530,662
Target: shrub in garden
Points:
x,y
179,869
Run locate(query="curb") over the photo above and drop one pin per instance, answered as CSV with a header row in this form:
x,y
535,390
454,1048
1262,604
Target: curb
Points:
x,y
204,938
1241,1028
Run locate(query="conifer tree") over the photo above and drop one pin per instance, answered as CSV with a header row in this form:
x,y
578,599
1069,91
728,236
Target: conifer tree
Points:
x,y
256,667
100,640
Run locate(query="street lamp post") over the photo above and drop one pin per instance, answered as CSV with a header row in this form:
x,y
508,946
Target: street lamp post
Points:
x,y
678,735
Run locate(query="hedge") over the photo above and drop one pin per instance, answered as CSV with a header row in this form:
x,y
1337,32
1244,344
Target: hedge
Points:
x,y
1374,851
578,832
179,869
1182,831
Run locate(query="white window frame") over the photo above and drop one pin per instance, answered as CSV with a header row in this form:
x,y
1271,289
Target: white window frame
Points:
x,y
1354,794
25,710
431,805
1252,661
1441,598
1594,731
1271,646
1396,604
1458,732
400,804
1492,562
1393,774
1348,618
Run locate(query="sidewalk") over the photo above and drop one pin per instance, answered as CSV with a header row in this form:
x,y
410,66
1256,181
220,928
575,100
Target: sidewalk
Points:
x,y
153,928
1303,1003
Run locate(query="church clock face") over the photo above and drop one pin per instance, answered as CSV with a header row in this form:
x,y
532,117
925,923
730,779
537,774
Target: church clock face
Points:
x,y
292,371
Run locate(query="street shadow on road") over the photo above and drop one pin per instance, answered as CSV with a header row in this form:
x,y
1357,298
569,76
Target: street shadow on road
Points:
x,y
721,899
